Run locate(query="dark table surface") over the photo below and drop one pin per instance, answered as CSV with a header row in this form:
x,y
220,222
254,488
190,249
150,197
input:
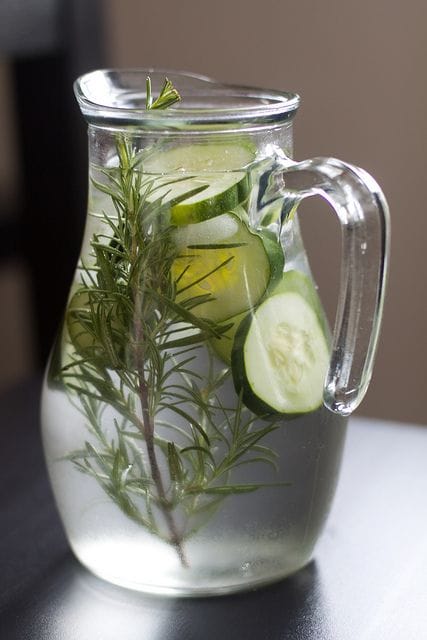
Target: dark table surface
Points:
x,y
368,579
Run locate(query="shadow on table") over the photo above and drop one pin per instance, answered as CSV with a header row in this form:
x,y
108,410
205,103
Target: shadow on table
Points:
x,y
73,604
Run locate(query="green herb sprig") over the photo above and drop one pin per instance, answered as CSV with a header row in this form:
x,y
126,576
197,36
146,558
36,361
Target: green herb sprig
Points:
x,y
163,446
167,97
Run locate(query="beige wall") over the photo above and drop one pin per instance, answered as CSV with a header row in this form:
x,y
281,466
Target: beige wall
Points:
x,y
361,70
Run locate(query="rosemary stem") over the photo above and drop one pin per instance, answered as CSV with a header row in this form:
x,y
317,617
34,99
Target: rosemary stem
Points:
x,y
148,433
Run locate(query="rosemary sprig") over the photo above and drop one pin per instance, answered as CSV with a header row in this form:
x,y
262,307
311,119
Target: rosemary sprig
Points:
x,y
127,326
166,449
167,97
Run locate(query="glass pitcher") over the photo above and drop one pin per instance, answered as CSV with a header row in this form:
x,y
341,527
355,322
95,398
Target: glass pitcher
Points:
x,y
195,403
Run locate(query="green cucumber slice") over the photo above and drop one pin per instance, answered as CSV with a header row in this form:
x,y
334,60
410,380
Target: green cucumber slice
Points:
x,y
78,310
218,167
221,192
223,346
200,157
223,259
75,342
280,354
299,282
79,324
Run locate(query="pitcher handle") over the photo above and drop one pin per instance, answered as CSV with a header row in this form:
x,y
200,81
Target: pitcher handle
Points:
x,y
363,213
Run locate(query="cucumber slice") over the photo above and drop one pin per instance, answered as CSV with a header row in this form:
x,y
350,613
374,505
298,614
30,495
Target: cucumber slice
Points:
x,y
200,157
75,342
298,282
223,346
223,259
218,167
280,355
221,192
79,323
77,310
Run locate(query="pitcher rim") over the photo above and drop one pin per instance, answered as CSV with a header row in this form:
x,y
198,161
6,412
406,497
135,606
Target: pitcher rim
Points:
x,y
113,96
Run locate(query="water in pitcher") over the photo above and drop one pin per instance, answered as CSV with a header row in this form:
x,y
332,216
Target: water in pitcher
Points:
x,y
184,427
